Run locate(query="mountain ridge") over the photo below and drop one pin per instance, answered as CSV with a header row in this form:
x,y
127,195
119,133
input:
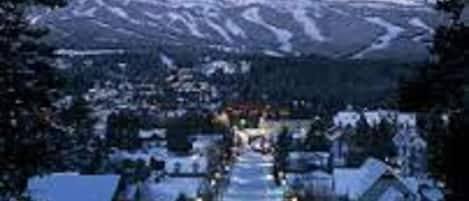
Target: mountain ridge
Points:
x,y
380,29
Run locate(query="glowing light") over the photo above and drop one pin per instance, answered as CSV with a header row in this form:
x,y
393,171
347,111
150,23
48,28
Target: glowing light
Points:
x,y
217,175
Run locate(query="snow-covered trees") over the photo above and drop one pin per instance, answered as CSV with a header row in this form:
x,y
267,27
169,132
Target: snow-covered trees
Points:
x,y
441,89
29,139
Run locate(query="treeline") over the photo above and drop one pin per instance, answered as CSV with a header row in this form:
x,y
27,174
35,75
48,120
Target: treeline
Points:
x,y
324,84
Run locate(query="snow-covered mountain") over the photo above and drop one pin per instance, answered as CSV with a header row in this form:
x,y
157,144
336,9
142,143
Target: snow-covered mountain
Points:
x,y
338,28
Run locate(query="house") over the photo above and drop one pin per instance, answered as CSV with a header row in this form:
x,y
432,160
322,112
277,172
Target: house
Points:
x,y
317,182
192,165
350,118
152,137
430,193
373,181
302,161
154,153
202,142
339,148
411,152
298,127
74,187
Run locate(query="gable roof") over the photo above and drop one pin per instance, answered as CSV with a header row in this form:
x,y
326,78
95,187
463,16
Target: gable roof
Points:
x,y
391,194
157,132
357,181
351,118
432,194
74,187
370,172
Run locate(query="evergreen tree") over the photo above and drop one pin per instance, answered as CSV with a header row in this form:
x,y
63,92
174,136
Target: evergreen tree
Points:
x,y
122,131
441,88
282,148
182,197
316,139
381,144
30,144
178,139
83,144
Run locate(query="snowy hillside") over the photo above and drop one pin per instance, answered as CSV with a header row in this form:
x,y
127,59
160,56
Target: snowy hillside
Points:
x,y
337,28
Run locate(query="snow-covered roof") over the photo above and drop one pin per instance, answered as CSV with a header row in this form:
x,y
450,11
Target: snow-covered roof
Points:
x,y
295,155
355,182
202,142
408,119
74,187
186,163
345,180
157,132
391,194
351,118
370,172
156,153
225,67
316,179
170,188
432,194
346,118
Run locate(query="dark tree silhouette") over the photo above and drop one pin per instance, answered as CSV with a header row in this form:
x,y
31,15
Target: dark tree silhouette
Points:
x,y
441,89
29,141
178,138
122,131
85,148
316,139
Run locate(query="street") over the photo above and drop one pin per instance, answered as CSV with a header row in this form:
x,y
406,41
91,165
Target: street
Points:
x,y
251,178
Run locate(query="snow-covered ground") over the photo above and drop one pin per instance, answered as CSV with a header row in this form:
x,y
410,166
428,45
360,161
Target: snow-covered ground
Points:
x,y
385,40
283,36
188,21
169,189
251,179
167,61
309,25
70,52
220,30
419,23
235,28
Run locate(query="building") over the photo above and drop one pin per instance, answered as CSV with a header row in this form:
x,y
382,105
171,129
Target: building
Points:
x,y
152,137
193,165
411,152
299,127
317,182
300,161
350,118
373,181
74,187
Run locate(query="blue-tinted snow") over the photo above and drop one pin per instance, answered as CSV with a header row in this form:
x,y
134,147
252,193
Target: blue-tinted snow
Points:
x,y
69,187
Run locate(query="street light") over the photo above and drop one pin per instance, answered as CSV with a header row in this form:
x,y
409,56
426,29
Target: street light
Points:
x,y
281,174
283,182
294,198
217,175
213,182
199,199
